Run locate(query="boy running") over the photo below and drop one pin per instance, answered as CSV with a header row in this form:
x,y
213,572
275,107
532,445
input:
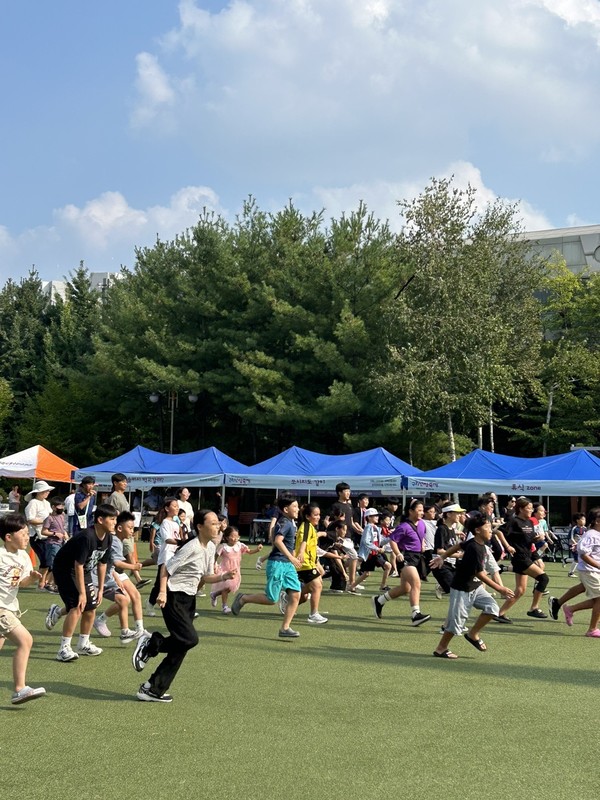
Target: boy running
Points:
x,y
15,572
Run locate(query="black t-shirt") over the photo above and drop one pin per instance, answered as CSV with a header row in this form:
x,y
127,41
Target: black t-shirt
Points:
x,y
84,548
519,533
468,566
348,511
445,537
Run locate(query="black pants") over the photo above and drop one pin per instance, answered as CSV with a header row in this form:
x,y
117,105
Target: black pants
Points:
x,y
444,576
178,614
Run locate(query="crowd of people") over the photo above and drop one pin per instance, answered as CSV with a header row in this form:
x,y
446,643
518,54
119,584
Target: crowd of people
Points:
x,y
87,552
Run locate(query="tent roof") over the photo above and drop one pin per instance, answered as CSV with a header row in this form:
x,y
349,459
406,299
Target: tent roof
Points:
x,y
36,462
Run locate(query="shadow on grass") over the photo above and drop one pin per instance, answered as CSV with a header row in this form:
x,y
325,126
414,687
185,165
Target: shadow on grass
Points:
x,y
84,692
464,663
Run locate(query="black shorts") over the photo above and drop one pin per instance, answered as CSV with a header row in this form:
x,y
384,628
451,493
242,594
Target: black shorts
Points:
x,y
69,592
411,560
373,562
307,575
521,564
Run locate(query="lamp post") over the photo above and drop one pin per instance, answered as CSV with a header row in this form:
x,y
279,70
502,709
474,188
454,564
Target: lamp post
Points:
x,y
172,404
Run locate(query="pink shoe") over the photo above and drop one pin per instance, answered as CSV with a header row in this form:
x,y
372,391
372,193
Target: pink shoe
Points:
x,y
568,615
595,634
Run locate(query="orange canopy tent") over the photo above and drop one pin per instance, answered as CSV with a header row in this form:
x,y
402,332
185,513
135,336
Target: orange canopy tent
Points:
x,y
36,462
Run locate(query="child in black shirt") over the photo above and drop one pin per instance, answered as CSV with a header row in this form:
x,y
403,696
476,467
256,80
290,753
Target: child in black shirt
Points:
x,y
467,591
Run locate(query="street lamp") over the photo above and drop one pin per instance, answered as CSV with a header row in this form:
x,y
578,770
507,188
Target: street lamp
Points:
x,y
172,404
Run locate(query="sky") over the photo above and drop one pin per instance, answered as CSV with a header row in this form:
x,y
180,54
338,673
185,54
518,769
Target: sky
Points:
x,y
122,121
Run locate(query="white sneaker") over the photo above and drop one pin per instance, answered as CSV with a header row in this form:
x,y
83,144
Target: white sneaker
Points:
x,y
128,636
259,563
150,609
66,654
360,587
439,592
52,616
89,649
101,627
25,694
317,619
138,634
213,599
283,601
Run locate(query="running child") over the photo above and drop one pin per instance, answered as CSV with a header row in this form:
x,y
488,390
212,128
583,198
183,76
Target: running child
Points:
x,y
281,570
467,591
16,572
229,554
371,551
180,578
311,571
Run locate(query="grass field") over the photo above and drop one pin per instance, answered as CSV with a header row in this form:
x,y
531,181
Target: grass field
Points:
x,y
357,708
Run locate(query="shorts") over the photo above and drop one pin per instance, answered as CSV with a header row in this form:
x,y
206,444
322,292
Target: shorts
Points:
x,y
128,547
411,560
39,548
307,575
111,589
9,620
281,576
591,581
461,604
69,592
373,562
51,549
349,549
521,564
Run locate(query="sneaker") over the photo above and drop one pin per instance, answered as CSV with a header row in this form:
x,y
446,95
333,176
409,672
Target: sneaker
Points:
x,y
351,590
568,615
377,607
595,634
142,583
336,591
383,589
137,634
129,636
360,587
537,613
283,601
439,592
226,610
317,619
146,693
504,619
259,564
237,604
140,656
27,693
213,599
150,610
101,627
288,633
50,588
198,594
553,607
394,574
67,654
89,649
419,619
52,616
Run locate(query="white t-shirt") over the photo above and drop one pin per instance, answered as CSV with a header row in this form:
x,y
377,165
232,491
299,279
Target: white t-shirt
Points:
x,y
37,509
169,529
13,568
70,505
189,564
189,512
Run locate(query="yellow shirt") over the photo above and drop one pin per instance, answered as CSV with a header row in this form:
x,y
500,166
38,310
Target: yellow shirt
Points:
x,y
307,533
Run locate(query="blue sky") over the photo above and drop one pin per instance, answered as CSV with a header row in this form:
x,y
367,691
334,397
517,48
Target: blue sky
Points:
x,y
122,120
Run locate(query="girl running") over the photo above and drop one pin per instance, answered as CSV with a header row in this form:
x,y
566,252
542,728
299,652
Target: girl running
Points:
x,y
229,554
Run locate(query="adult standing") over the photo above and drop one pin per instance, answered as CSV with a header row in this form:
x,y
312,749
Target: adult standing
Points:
x,y
85,500
14,499
183,498
70,510
37,510
118,499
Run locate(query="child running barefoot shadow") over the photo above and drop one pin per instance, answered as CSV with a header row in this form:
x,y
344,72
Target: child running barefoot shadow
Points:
x,y
229,555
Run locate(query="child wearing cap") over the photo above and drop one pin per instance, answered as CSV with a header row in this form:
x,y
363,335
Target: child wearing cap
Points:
x,y
446,536
467,590
371,551
16,572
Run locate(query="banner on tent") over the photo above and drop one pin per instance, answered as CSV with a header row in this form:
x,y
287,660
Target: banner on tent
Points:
x,y
142,481
357,482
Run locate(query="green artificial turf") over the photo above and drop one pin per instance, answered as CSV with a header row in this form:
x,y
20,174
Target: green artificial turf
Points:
x,y
357,708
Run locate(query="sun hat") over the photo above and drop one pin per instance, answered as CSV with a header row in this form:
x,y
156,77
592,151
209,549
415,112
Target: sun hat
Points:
x,y
38,486
371,512
453,507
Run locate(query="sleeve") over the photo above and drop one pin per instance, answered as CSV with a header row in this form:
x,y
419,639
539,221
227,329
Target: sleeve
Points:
x,y
586,545
81,548
106,557
244,548
46,524
180,558
27,568
30,510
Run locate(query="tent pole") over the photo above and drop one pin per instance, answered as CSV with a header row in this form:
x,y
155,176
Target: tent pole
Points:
x,y
223,499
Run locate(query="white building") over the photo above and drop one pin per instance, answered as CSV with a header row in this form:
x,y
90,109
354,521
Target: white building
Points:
x,y
98,280
580,247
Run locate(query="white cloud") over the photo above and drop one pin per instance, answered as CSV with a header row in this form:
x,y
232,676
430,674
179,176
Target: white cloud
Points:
x,y
382,197
314,90
104,233
154,90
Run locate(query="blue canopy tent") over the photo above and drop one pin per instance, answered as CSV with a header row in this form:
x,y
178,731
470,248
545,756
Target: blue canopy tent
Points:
x,y
575,472
145,468
297,468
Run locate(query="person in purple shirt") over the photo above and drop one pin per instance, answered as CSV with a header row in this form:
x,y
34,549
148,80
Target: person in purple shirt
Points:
x,y
406,541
